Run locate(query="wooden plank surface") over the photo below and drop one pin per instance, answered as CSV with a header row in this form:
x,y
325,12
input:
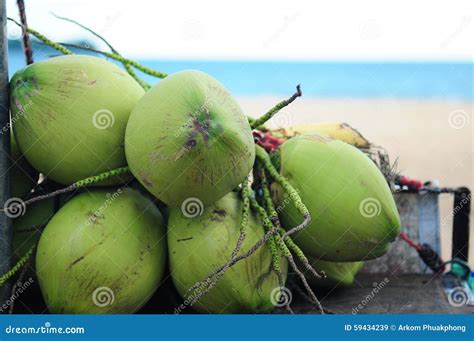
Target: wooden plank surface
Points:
x,y
404,294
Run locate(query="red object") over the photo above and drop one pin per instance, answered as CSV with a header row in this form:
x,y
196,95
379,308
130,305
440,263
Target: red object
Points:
x,y
410,242
427,254
411,183
267,140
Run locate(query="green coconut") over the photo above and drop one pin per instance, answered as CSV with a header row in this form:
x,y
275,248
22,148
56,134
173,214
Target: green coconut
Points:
x,y
188,138
354,216
23,176
69,115
198,245
103,252
337,273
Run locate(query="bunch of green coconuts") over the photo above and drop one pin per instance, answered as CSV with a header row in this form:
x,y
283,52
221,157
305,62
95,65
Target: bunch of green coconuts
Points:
x,y
233,219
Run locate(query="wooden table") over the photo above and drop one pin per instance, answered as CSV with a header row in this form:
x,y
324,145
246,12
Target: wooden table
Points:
x,y
404,294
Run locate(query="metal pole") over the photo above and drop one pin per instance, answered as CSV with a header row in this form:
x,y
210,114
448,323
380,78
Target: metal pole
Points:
x,y
462,210
5,222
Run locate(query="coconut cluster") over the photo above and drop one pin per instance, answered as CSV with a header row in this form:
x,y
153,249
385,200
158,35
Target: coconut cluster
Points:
x,y
196,188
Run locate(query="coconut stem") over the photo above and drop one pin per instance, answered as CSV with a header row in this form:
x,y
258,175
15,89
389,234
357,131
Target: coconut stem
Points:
x,y
263,156
61,48
136,65
126,65
40,197
284,241
221,271
276,258
246,193
268,224
280,242
260,121
274,217
23,260
78,184
305,282
270,229
102,177
276,245
277,268
272,244
269,204
45,40
236,259
301,256
27,48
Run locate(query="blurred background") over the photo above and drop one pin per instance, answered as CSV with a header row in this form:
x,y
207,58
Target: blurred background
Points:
x,y
399,71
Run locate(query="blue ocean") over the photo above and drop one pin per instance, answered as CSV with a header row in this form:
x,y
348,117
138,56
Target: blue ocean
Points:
x,y
407,80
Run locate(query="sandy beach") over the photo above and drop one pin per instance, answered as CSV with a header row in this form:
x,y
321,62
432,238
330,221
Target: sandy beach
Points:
x,y
431,139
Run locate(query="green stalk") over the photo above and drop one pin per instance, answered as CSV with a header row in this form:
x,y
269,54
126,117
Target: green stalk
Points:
x,y
255,124
78,184
263,156
280,242
21,262
64,50
127,67
286,240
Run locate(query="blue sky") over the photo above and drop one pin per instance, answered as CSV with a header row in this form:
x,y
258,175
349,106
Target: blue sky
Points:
x,y
266,30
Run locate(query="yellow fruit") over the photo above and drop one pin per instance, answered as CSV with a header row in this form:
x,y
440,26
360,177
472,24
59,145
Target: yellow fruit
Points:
x,y
335,130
